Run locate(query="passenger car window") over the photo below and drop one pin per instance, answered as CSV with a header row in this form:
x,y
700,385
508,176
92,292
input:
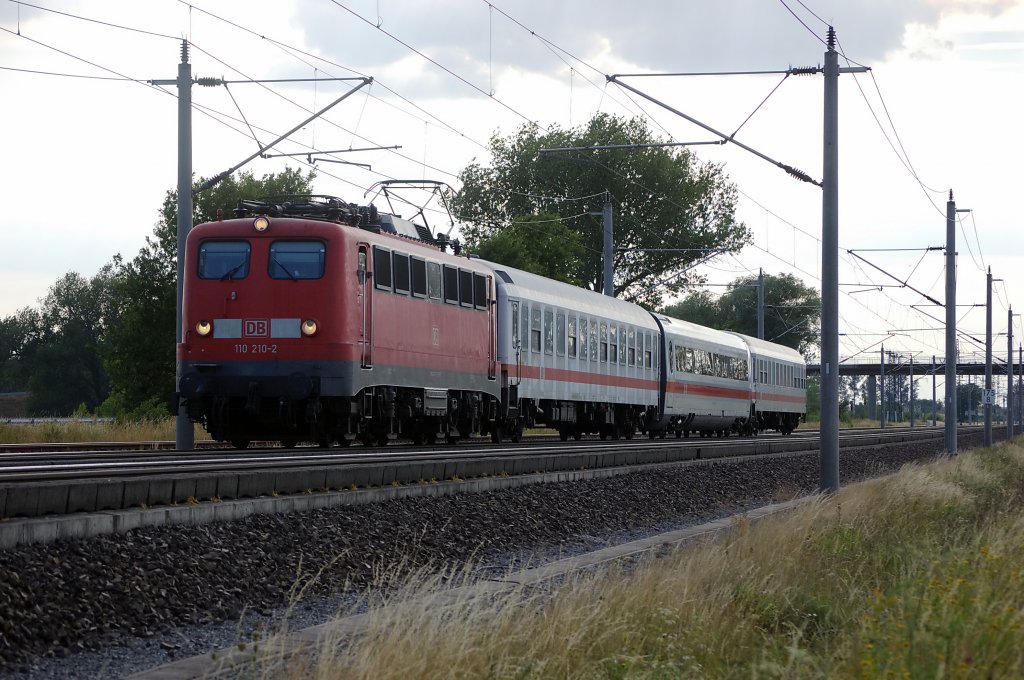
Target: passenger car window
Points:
x,y
560,334
224,260
515,324
535,329
572,337
296,260
549,332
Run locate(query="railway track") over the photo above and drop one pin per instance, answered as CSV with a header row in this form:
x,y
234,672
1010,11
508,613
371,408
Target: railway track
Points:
x,y
192,486
55,462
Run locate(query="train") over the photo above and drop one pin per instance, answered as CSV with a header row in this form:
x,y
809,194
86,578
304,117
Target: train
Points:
x,y
315,320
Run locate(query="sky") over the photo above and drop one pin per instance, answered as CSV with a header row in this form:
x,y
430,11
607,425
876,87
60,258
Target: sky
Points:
x,y
88,161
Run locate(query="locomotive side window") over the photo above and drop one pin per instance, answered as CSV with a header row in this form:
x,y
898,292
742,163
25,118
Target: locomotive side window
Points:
x,y
613,345
451,285
549,332
466,287
572,337
622,345
604,343
647,351
400,272
296,260
224,260
631,358
434,281
535,329
480,297
560,334
419,277
381,268
584,339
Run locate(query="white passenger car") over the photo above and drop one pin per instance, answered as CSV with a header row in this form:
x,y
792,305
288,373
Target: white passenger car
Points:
x,y
779,385
707,384
579,361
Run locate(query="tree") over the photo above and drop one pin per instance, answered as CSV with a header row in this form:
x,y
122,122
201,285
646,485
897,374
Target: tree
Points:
x,y
670,211
17,333
540,244
969,402
792,310
140,351
62,354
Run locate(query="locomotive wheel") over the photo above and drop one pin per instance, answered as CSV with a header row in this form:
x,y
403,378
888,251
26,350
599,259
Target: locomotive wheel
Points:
x,y
679,433
563,434
344,441
324,443
240,443
577,434
629,433
651,434
496,433
453,439
289,443
517,432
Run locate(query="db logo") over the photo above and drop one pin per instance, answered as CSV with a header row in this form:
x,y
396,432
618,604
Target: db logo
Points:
x,y
255,328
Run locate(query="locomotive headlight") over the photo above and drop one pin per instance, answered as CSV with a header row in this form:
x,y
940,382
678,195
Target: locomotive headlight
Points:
x,y
261,224
204,327
309,327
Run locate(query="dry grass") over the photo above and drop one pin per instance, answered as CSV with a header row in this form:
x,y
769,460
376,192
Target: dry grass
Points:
x,y
92,431
915,576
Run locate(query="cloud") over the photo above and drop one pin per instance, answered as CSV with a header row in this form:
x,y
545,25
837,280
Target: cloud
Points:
x,y
476,42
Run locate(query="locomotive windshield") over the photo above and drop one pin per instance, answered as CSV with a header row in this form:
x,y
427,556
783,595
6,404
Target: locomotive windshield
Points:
x,y
224,260
296,260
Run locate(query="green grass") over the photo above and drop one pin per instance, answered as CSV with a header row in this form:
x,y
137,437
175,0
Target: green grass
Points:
x,y
918,575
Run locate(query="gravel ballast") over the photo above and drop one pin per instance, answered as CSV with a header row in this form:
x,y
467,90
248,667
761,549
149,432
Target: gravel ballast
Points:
x,y
111,605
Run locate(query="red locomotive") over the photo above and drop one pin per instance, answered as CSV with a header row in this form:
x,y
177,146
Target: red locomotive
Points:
x,y
298,325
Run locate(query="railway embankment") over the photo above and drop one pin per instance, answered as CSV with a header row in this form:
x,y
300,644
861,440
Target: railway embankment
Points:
x,y
119,603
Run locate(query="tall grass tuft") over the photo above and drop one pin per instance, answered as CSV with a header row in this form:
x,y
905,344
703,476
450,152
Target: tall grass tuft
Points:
x,y
918,575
